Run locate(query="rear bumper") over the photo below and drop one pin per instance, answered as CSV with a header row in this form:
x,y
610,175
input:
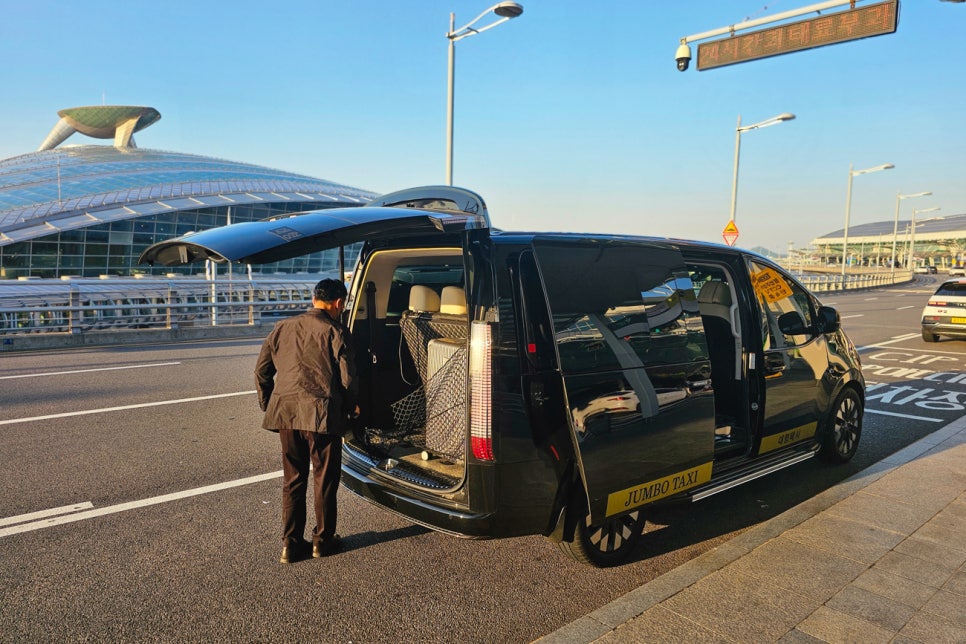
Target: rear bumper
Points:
x,y
941,328
422,511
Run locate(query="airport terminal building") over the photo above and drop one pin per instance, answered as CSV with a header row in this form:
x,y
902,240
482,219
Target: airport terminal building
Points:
x,y
933,241
90,210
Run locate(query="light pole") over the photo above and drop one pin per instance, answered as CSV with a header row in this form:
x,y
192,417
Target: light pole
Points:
x,y
785,116
504,11
848,206
912,237
895,225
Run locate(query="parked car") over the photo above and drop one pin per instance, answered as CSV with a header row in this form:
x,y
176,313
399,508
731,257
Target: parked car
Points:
x,y
925,269
957,270
945,312
559,384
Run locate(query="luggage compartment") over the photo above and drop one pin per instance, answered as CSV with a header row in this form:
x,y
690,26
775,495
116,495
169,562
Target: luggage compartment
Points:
x,y
409,323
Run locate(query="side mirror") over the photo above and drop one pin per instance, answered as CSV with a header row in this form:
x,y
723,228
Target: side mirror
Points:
x,y
828,320
792,323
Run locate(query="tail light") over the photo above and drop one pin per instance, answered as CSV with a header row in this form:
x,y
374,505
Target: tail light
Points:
x,y
936,303
481,399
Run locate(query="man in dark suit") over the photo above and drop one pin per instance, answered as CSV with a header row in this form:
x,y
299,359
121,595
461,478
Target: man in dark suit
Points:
x,y
306,383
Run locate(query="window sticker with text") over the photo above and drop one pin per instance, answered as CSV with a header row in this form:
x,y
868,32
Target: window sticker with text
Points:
x,y
770,285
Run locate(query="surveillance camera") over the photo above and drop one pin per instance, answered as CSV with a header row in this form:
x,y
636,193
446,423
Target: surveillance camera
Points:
x,y
683,56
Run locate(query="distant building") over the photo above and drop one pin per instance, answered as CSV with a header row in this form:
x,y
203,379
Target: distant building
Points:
x,y
89,210
937,241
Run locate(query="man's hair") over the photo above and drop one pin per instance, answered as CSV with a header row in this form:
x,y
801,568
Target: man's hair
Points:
x,y
329,290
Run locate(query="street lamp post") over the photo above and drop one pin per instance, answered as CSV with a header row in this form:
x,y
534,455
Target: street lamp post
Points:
x,y
785,116
895,225
848,206
912,237
505,11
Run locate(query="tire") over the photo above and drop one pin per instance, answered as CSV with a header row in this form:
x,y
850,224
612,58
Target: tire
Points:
x,y
929,337
843,428
608,544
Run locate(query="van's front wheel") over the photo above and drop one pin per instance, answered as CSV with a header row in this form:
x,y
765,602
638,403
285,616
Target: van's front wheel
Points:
x,y
607,544
844,427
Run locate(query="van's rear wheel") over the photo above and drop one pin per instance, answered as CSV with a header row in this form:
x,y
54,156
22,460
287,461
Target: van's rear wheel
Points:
x,y
843,429
607,544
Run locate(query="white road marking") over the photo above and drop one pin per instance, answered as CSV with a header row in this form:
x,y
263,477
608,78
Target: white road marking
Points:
x,y
13,421
857,315
65,373
43,514
902,308
892,413
133,505
869,299
898,338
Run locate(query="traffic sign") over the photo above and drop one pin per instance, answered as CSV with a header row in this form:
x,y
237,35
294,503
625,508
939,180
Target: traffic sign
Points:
x,y
730,233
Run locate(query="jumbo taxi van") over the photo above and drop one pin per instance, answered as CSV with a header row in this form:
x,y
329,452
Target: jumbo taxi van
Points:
x,y
519,383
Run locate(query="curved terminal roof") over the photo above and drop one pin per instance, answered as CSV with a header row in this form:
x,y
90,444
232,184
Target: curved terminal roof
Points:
x,y
927,229
75,186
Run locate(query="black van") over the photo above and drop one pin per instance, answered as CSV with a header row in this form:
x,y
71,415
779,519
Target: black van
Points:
x,y
544,383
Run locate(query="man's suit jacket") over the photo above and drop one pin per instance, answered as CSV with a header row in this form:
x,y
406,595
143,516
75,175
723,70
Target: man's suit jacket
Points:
x,y
305,375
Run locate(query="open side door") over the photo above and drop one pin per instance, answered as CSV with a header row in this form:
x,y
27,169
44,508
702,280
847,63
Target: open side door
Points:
x,y
417,211
636,376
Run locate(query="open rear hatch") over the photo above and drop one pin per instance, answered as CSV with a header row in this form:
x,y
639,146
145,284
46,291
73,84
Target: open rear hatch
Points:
x,y
412,212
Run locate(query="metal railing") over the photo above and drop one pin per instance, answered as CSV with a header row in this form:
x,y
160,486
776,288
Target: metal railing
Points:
x,y
824,282
94,305
90,305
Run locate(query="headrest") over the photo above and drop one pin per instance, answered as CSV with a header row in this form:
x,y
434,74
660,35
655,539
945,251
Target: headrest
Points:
x,y
715,293
423,298
453,301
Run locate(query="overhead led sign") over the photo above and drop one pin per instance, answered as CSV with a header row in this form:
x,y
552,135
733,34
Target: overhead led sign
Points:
x,y
872,20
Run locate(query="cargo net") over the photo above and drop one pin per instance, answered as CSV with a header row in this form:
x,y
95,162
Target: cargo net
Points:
x,y
433,417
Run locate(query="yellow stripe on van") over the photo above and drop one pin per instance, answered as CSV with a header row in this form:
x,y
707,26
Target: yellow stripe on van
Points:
x,y
769,443
651,491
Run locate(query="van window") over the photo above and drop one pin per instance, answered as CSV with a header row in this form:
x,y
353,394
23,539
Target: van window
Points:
x,y
777,294
405,277
608,298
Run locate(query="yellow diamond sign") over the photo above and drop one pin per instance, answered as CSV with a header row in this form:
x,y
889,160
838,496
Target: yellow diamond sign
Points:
x,y
730,233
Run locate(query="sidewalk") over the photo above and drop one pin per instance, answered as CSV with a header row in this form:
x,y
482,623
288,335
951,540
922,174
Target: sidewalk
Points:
x,y
881,557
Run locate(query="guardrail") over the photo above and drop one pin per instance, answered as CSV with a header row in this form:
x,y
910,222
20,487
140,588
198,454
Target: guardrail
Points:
x,y
90,306
820,283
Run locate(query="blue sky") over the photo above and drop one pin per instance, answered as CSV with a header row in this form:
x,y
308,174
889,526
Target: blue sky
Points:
x,y
571,117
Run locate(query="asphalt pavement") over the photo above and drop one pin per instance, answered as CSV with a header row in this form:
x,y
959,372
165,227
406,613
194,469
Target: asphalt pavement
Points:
x,y
880,557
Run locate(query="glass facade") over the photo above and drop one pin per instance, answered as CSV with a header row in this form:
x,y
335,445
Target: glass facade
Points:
x,y
113,248
90,210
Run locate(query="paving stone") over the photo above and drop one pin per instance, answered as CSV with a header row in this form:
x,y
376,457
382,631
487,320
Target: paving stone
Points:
x,y
949,606
932,493
882,511
925,572
830,625
856,540
932,551
941,535
892,586
796,636
957,583
952,521
932,629
871,607
661,625
740,607
809,571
